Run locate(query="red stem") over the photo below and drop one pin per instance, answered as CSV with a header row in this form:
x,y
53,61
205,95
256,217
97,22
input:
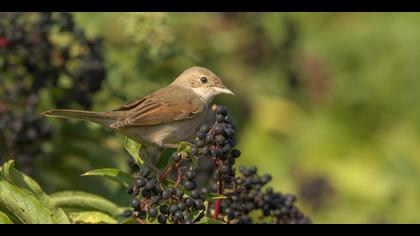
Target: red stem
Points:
x,y
218,201
219,191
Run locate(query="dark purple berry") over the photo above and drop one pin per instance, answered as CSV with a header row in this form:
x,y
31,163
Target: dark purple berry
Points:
x,y
173,208
226,148
221,110
135,203
190,174
142,214
195,194
144,171
199,143
153,212
181,206
162,219
209,139
140,182
189,185
205,150
146,193
205,128
127,213
179,193
178,216
235,153
175,157
189,202
155,199
166,194
199,204
164,209
194,151
219,140
225,169
220,118
201,135
218,129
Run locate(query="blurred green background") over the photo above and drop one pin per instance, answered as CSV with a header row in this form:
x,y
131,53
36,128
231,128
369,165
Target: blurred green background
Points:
x,y
325,102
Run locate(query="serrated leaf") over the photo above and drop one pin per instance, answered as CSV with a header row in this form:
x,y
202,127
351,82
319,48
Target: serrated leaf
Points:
x,y
133,149
112,174
24,205
91,217
4,219
86,201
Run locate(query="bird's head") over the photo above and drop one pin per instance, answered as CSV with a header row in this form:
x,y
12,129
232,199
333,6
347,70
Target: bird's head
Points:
x,y
203,82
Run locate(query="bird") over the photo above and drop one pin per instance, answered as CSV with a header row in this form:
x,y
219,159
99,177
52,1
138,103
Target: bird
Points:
x,y
165,117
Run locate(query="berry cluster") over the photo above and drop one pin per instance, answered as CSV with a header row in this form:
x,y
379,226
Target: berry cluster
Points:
x,y
182,202
217,142
177,203
42,52
249,196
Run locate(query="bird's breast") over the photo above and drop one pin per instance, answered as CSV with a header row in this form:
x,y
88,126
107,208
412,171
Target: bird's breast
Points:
x,y
171,133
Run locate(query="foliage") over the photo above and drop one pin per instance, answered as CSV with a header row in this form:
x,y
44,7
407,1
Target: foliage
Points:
x,y
23,201
325,102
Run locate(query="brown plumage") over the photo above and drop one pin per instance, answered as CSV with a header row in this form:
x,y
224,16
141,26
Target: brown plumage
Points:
x,y
165,117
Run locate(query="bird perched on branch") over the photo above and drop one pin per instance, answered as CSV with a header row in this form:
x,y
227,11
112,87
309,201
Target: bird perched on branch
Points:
x,y
165,117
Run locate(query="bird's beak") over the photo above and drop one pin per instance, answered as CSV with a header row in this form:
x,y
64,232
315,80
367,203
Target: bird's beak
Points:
x,y
224,90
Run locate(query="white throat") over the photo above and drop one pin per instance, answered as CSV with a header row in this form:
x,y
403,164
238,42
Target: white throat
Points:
x,y
205,94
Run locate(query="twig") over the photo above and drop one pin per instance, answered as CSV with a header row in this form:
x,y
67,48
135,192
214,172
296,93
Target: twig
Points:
x,y
166,172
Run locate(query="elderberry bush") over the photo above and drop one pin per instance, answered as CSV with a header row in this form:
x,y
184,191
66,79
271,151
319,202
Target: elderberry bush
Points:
x,y
42,53
232,196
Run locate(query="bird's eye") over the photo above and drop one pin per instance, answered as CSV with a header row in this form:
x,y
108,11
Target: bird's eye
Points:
x,y
203,79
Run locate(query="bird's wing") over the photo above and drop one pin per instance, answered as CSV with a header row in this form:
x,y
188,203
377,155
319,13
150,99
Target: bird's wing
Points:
x,y
162,107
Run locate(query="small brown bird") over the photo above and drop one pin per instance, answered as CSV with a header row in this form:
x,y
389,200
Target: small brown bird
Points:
x,y
165,117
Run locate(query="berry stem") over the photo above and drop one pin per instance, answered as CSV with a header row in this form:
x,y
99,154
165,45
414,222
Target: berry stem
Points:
x,y
218,201
166,172
219,191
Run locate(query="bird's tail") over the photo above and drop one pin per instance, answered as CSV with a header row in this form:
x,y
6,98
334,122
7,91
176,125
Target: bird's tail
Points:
x,y
102,118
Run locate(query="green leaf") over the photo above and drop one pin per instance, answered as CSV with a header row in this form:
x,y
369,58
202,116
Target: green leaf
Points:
x,y
21,180
4,219
24,205
91,217
214,196
208,220
112,174
133,149
184,148
194,161
211,221
168,182
25,182
86,201
196,215
163,160
130,221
